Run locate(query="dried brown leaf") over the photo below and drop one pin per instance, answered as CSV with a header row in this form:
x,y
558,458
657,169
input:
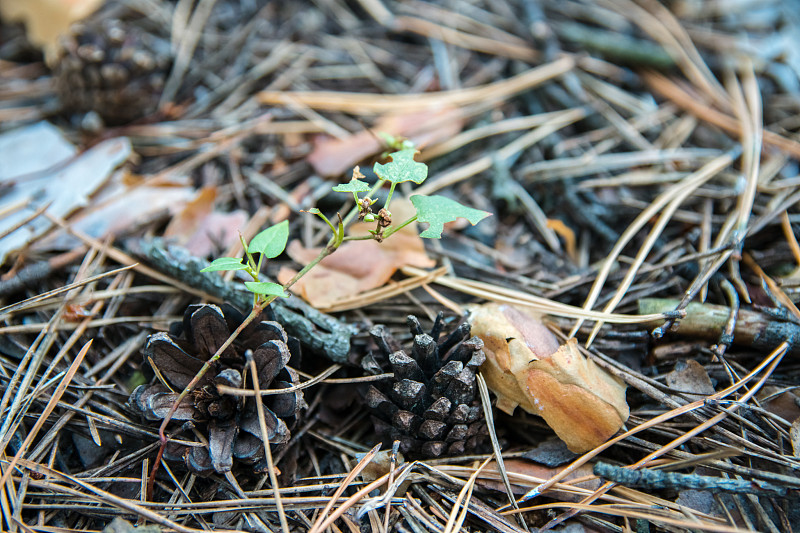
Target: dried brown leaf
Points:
x,y
690,377
333,157
201,229
525,366
781,402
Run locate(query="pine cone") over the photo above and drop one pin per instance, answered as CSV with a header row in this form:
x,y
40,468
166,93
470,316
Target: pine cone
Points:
x,y
431,405
228,425
113,68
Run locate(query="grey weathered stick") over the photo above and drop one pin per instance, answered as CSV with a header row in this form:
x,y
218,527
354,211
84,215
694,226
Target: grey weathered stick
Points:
x,y
658,479
323,333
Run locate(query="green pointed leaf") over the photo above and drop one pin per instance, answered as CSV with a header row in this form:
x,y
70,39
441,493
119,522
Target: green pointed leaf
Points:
x,y
225,263
438,210
272,241
266,288
355,185
402,168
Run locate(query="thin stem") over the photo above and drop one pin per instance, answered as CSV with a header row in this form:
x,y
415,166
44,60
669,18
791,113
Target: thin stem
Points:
x,y
334,243
328,222
359,237
389,198
391,230
353,212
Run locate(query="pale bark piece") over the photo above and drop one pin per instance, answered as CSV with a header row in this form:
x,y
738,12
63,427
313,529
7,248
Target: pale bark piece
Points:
x,y
526,367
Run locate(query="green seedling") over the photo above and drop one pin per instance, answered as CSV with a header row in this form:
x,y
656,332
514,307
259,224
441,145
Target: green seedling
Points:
x,y
270,243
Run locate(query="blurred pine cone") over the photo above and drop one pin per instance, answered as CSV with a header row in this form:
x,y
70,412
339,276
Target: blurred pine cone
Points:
x,y
226,427
112,67
432,404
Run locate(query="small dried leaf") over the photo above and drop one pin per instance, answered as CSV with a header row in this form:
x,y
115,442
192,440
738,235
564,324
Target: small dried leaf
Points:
x,y
525,366
40,169
202,230
689,376
781,401
333,156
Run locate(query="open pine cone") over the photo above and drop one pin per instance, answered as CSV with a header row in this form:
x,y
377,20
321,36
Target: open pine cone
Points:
x,y
113,68
226,427
432,404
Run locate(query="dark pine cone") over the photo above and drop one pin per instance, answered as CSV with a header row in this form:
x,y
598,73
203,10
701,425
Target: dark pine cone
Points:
x,y
113,68
226,425
432,405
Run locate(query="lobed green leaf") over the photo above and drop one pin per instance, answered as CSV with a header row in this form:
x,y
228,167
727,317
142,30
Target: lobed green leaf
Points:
x,y
266,288
224,264
402,168
355,185
272,241
438,210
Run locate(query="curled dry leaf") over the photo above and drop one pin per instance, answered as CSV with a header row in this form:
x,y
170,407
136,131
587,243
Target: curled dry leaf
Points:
x,y
526,367
781,401
691,380
201,229
357,266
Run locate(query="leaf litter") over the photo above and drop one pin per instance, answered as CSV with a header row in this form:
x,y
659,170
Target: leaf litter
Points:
x,y
662,138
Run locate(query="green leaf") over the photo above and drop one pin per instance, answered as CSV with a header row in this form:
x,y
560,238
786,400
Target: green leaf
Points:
x,y
355,185
438,210
225,263
272,241
266,287
402,168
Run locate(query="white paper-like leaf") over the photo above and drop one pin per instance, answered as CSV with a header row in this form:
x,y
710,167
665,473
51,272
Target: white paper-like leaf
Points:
x,y
40,168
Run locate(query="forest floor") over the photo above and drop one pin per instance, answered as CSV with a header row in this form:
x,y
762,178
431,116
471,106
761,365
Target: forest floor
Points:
x,y
639,162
